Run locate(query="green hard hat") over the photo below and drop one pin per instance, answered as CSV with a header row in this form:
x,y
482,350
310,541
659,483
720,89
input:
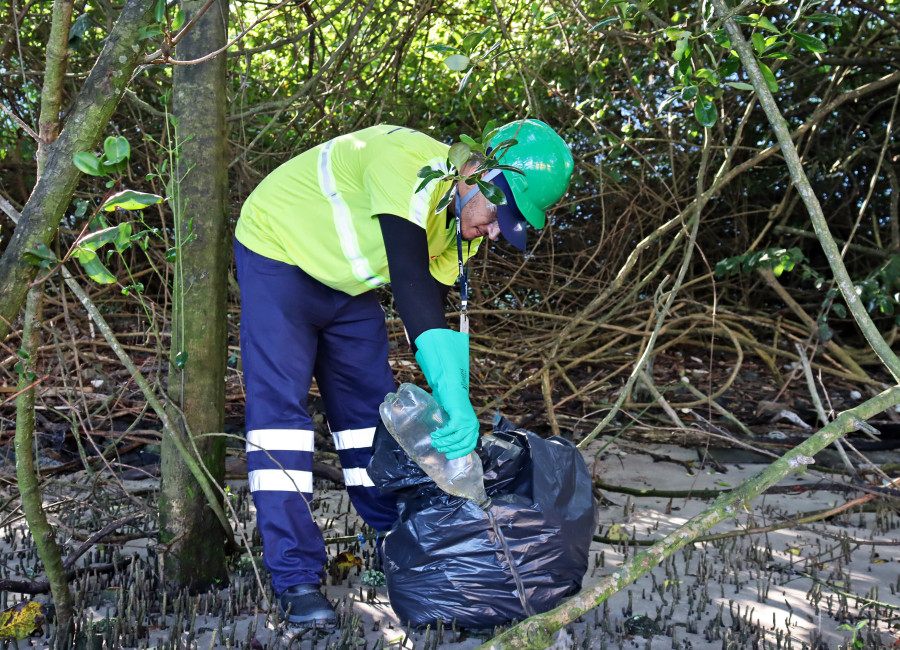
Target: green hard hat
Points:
x,y
547,162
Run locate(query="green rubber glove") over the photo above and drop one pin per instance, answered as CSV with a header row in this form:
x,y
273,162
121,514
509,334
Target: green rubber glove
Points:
x,y
443,355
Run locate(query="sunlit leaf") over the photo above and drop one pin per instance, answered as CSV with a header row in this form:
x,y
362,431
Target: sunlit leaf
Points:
x,y
708,75
674,33
181,360
740,85
766,24
457,62
178,20
93,266
682,49
131,200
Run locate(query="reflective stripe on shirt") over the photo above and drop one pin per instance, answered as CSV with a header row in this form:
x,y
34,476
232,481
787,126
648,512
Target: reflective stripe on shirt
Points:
x,y
343,222
420,203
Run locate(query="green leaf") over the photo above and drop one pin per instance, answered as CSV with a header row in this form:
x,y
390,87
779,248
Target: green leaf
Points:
x,y
839,310
123,240
767,25
826,19
825,332
87,163
130,200
509,168
160,11
767,74
148,32
171,254
759,42
465,80
707,75
459,154
470,41
178,20
93,266
457,62
492,193
471,142
181,360
722,39
688,93
682,49
116,149
705,111
740,85
425,171
665,103
23,354
743,20
489,130
79,28
95,240
730,65
603,23
425,181
445,200
674,33
808,42
40,256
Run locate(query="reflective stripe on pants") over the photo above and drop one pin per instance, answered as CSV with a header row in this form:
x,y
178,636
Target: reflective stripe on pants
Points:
x,y
294,328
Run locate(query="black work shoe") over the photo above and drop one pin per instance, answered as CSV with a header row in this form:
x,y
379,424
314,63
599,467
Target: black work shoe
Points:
x,y
305,606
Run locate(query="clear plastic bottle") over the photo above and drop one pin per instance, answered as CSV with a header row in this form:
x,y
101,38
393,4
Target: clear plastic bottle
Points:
x,y
412,415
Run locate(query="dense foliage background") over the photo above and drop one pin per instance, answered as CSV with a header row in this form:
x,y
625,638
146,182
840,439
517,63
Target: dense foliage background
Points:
x,y
662,120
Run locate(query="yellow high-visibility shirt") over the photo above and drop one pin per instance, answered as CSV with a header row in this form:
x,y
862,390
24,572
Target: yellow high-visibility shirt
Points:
x,y
319,211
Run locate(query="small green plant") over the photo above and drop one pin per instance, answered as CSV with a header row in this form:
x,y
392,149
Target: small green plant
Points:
x,y
97,232
460,153
855,642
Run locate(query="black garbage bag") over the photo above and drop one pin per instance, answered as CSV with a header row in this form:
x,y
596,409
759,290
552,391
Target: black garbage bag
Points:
x,y
442,559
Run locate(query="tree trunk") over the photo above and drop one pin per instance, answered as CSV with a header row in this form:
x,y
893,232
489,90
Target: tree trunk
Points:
x,y
192,535
89,118
29,485
27,479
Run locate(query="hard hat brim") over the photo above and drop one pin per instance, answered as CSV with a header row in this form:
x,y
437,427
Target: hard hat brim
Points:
x,y
513,225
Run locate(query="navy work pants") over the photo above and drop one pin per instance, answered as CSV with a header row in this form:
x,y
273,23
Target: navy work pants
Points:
x,y
294,328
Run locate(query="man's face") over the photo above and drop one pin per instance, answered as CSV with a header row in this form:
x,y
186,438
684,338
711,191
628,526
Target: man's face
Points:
x,y
479,216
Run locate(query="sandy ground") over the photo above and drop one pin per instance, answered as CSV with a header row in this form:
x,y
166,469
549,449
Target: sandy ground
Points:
x,y
789,588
